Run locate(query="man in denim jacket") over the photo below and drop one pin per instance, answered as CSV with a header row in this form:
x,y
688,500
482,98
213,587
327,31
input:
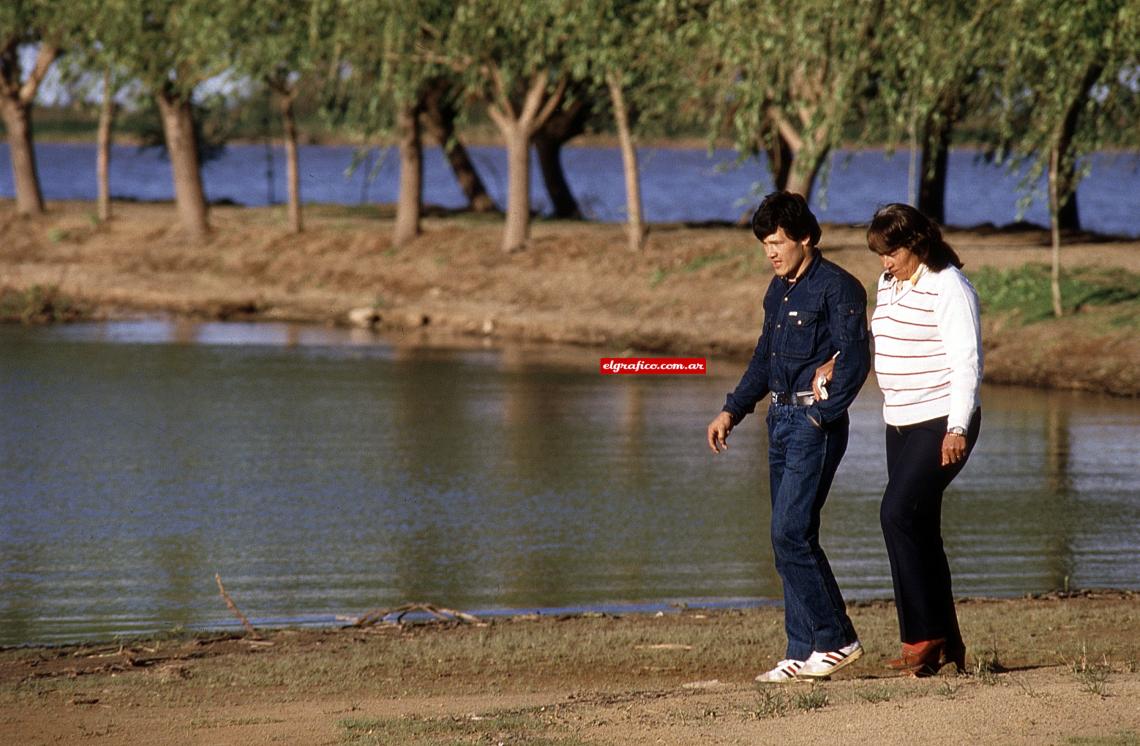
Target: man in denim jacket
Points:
x,y
814,311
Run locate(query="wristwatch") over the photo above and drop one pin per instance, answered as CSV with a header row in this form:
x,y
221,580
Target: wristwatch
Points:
x,y
956,430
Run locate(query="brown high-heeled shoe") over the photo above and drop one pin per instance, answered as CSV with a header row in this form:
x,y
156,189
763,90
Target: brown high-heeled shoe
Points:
x,y
954,652
921,658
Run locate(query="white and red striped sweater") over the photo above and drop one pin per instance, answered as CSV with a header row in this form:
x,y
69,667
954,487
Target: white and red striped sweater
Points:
x,y
928,347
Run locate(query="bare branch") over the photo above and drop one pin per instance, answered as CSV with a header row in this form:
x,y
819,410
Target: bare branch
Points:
x,y
237,612
552,103
501,93
787,131
46,56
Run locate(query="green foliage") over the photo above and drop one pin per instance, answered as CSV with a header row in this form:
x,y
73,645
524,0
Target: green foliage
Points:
x,y
168,47
1067,80
928,62
1025,291
37,305
797,71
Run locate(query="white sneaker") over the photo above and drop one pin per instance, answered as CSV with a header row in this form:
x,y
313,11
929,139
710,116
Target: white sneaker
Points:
x,y
784,671
821,665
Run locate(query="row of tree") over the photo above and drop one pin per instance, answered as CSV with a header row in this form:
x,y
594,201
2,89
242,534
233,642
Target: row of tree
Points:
x,y
1049,81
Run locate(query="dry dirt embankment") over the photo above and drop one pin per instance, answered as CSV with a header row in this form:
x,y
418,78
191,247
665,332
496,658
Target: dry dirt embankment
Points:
x,y
693,291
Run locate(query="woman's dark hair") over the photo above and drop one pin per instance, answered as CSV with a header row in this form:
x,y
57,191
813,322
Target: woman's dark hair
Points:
x,y
789,211
899,226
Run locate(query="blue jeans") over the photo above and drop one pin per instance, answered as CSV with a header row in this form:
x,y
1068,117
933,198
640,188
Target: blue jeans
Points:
x,y
802,459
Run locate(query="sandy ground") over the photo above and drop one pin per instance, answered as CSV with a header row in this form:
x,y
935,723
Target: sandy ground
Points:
x,y
693,291
1051,670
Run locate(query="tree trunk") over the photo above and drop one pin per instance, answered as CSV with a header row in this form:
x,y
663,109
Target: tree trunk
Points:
x,y
549,152
410,201
1055,227
518,125
103,145
292,164
16,99
635,226
1068,215
779,160
564,124
805,168
189,197
517,229
933,168
439,119
18,122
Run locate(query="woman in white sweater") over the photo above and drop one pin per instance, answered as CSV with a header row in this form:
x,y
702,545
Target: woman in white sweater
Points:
x,y
928,362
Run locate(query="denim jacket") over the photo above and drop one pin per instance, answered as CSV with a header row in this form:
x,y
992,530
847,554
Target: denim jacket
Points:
x,y
805,323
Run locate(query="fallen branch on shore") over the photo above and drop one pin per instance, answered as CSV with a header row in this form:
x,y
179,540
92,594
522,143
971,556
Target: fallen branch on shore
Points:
x,y
237,612
438,613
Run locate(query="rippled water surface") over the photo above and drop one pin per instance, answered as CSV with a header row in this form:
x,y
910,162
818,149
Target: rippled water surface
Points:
x,y
326,473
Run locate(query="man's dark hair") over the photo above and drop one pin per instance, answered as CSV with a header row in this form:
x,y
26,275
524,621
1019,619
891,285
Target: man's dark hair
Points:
x,y
900,226
789,211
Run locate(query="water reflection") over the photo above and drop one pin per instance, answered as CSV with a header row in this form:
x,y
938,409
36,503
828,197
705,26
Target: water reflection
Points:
x,y
322,473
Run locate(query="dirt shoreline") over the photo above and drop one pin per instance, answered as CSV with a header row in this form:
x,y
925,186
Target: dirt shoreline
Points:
x,y
694,291
1056,669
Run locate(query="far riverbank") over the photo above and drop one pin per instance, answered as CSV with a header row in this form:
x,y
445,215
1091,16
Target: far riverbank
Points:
x,y
694,291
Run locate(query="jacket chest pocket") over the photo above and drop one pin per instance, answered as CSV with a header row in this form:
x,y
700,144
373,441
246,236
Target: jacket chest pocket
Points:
x,y
800,333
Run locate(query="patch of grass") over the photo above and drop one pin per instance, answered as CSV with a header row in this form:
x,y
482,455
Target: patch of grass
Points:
x,y
816,699
1123,738
947,690
507,727
772,704
875,694
1092,674
707,260
988,666
1026,291
657,277
37,305
1093,677
206,723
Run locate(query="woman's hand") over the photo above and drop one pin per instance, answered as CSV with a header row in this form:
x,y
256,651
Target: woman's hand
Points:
x,y
953,449
822,377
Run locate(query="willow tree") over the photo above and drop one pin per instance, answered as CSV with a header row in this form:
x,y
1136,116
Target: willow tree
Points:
x,y
387,53
35,25
793,76
636,51
1070,87
512,56
283,44
927,73
170,49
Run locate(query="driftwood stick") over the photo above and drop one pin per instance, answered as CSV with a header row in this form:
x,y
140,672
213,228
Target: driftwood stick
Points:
x,y
438,613
237,612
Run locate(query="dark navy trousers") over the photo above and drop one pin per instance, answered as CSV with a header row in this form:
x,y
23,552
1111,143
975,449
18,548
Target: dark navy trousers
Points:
x,y
911,517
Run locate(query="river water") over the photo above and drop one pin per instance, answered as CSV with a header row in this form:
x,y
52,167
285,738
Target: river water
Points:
x,y
324,473
678,184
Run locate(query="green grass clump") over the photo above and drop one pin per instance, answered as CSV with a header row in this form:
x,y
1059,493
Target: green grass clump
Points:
x,y
505,727
1123,738
36,305
1026,291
